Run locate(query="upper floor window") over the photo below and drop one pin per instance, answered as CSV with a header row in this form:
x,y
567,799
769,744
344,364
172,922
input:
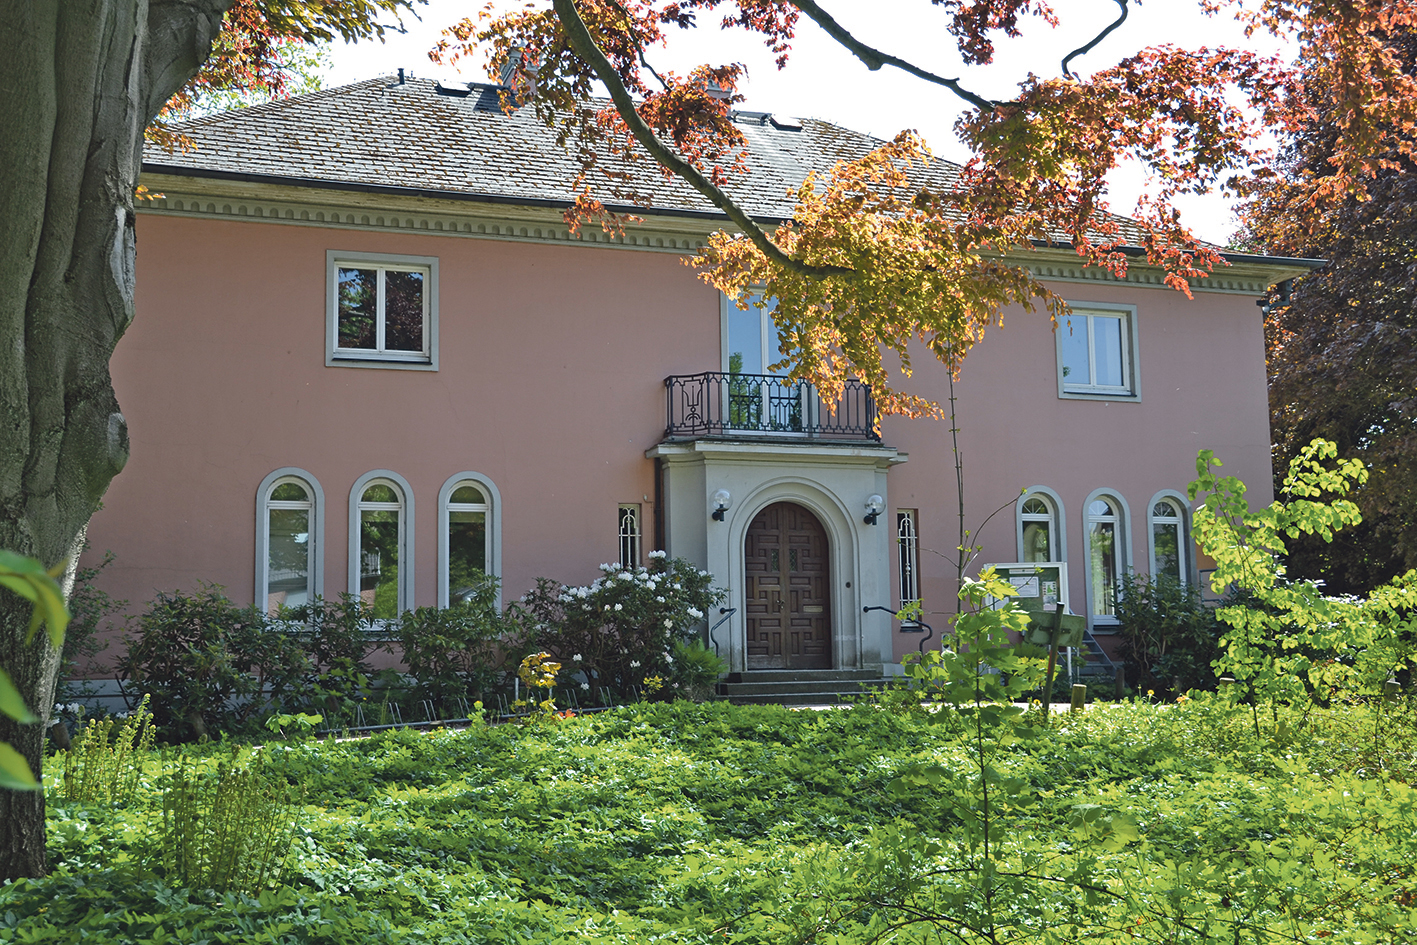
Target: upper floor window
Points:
x,y
468,537
381,542
289,525
383,310
629,535
907,541
750,340
1169,542
1097,353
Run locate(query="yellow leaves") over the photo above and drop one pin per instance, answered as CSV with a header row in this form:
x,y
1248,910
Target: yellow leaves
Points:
x,y
918,274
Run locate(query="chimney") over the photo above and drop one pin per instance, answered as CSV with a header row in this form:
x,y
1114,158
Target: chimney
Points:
x,y
506,76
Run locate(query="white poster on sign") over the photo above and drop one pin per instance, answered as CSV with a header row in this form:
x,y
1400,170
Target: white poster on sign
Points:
x,y
1025,586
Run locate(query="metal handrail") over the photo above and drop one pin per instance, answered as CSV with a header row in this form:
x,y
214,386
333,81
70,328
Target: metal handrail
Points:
x,y
716,403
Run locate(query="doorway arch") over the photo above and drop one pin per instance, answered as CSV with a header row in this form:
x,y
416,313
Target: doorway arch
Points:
x,y
787,590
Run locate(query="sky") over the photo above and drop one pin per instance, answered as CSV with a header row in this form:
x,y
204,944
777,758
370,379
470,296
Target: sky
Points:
x,y
824,81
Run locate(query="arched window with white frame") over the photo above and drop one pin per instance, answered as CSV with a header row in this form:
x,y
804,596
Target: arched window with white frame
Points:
x,y
1108,555
1039,528
469,536
290,525
1168,533
381,542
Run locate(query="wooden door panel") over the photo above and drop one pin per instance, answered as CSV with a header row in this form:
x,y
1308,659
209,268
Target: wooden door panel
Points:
x,y
788,608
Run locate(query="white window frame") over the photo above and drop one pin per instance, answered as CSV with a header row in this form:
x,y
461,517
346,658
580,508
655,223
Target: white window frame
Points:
x,y
406,532
263,531
907,539
632,539
1178,502
335,356
1059,530
494,529
1071,389
1122,550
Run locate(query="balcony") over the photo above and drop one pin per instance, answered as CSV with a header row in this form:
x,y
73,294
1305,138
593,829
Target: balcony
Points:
x,y
763,406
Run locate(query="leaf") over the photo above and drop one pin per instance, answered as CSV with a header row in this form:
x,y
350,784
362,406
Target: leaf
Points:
x,y
15,772
12,704
28,578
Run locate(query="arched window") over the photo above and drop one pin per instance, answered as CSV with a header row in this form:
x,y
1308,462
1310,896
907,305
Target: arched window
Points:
x,y
1170,537
289,529
1105,517
469,536
381,542
1039,528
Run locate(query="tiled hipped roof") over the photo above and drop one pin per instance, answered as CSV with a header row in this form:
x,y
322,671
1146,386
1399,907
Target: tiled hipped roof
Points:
x,y
421,136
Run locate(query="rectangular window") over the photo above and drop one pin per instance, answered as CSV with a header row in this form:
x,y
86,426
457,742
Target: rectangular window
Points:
x,y
383,310
629,536
907,540
1097,354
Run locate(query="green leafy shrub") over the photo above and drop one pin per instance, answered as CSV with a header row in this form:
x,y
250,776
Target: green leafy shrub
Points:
x,y
336,638
1169,638
228,829
1286,641
696,670
208,664
105,762
456,652
619,630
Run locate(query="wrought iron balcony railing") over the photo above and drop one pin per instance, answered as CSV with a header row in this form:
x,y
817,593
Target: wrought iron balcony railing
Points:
x,y
762,405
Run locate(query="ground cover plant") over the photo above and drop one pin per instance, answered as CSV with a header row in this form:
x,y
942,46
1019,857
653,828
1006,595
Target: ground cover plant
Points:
x,y
712,823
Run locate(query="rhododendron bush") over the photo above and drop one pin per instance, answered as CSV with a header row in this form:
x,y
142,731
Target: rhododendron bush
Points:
x,y
617,634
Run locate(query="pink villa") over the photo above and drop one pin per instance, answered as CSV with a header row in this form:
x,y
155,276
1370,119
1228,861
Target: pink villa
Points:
x,y
370,357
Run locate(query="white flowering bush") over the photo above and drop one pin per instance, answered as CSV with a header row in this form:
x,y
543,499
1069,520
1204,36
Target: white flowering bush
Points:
x,y
620,630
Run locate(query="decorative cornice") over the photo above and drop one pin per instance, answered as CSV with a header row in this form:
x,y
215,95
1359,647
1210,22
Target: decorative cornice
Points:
x,y
255,202
299,207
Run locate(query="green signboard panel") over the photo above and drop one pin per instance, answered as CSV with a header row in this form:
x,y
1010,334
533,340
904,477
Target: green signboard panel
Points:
x,y
1040,587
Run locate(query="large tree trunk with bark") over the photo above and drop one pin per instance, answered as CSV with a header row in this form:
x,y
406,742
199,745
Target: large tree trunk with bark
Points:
x,y
79,80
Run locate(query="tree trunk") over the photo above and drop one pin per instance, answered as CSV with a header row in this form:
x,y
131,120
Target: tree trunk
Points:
x,y
79,80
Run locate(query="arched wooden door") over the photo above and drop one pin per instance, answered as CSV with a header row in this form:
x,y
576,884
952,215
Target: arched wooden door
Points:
x,y
788,590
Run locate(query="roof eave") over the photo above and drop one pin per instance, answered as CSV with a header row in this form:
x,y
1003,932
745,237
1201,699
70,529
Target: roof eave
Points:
x,y
317,183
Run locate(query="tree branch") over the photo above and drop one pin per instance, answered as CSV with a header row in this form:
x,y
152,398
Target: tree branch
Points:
x,y
584,46
873,58
1095,40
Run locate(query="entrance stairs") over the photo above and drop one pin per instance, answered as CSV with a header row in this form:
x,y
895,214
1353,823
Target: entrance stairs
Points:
x,y
798,686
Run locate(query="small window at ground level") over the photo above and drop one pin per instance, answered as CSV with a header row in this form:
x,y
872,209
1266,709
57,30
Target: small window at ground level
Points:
x,y
1169,539
1104,537
629,517
907,540
1037,519
467,542
382,310
469,538
288,520
381,543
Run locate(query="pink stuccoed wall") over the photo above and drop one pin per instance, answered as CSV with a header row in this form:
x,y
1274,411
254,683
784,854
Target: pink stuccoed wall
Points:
x,y
1202,371
552,360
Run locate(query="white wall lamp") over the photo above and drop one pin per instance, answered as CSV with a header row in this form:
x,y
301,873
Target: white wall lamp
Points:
x,y
721,501
874,506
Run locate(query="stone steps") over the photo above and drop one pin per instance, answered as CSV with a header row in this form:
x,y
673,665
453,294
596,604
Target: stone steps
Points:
x,y
797,687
